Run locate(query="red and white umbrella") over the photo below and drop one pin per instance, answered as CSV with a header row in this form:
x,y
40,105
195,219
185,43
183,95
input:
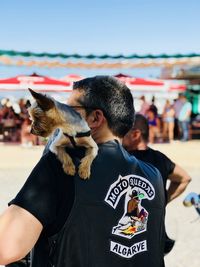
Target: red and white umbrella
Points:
x,y
35,82
72,77
153,85
145,84
47,84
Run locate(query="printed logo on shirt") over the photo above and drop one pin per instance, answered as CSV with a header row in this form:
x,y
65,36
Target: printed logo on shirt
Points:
x,y
128,252
135,217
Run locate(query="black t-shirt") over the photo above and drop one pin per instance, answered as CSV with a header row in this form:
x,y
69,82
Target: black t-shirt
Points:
x,y
48,194
157,159
47,198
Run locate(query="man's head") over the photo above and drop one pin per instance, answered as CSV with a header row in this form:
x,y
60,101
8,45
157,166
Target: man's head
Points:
x,y
183,98
105,99
137,137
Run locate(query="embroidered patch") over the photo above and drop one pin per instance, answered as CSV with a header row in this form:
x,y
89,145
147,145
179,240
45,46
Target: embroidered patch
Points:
x,y
128,252
135,216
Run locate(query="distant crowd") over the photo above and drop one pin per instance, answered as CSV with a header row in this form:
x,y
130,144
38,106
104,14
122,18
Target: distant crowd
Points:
x,y
15,124
174,123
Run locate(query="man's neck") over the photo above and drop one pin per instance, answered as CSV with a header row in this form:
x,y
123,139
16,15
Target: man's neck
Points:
x,y
142,146
103,136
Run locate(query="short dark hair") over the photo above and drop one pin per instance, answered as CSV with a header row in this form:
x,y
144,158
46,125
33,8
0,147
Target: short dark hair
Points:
x,y
113,97
141,123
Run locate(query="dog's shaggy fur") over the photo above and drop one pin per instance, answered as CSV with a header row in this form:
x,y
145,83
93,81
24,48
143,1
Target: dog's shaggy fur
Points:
x,y
47,115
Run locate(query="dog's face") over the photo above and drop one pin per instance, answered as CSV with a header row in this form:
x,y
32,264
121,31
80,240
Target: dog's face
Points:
x,y
43,114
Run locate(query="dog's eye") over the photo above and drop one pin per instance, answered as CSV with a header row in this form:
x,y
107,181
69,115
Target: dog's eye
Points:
x,y
28,104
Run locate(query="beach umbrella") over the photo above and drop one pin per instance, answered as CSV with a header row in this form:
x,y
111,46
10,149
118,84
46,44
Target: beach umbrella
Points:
x,y
155,85
122,75
35,82
72,78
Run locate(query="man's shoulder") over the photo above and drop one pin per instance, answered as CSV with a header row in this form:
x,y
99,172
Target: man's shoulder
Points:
x,y
186,106
49,160
158,154
148,155
148,168
189,105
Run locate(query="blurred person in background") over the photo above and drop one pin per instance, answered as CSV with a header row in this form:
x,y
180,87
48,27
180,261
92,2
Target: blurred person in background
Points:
x,y
27,139
153,107
168,121
12,116
24,104
154,125
144,106
177,107
136,143
184,118
10,123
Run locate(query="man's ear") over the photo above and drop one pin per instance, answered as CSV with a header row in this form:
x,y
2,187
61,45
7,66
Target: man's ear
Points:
x,y
136,134
96,118
44,102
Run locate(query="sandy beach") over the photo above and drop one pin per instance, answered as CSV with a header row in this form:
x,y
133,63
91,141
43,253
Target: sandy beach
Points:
x,y
182,223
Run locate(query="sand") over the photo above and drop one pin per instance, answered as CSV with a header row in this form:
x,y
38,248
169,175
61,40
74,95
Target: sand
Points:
x,y
182,223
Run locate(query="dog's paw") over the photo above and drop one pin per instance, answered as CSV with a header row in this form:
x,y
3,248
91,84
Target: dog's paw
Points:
x,y
84,173
69,168
84,170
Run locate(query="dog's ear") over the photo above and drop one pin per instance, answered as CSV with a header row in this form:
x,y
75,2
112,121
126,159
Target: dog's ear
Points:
x,y
44,102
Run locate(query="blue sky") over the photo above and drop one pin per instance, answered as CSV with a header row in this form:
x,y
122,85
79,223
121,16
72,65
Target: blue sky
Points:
x,y
98,27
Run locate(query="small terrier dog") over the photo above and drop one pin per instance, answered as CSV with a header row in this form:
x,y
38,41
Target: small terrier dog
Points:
x,y
47,115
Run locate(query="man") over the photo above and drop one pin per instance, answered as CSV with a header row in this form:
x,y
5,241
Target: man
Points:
x,y
71,222
184,118
136,142
177,107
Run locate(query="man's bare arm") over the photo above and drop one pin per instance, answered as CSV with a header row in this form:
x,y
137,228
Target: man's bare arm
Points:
x,y
19,231
179,180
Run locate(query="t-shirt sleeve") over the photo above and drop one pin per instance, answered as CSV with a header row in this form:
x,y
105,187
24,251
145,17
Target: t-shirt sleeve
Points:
x,y
169,164
38,194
